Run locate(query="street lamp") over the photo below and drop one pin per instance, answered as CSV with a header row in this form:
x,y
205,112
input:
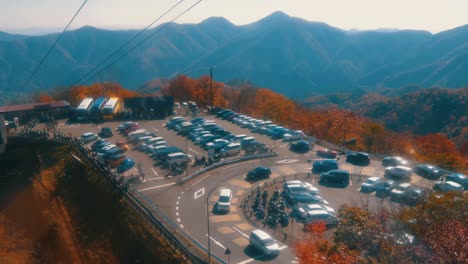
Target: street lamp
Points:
x,y
208,221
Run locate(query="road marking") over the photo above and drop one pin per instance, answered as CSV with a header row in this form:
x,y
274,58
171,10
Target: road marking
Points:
x,y
199,193
177,207
178,220
282,146
155,129
182,193
177,213
199,180
287,161
258,256
181,226
155,173
153,179
156,187
196,152
217,242
225,218
242,233
177,203
178,197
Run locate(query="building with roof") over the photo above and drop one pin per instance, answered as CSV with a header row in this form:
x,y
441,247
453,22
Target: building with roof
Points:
x,y
41,111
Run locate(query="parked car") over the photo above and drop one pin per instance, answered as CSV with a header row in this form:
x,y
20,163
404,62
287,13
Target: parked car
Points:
x,y
399,192
458,178
315,216
99,143
324,165
124,126
428,171
359,158
231,149
369,185
327,153
115,160
398,173
394,161
125,165
264,243
384,188
448,186
300,146
88,137
414,195
335,176
258,173
106,132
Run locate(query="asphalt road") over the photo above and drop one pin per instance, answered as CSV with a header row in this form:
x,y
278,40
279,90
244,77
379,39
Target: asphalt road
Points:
x,y
186,205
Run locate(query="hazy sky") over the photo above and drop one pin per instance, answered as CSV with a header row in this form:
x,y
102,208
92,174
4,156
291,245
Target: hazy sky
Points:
x,y
22,16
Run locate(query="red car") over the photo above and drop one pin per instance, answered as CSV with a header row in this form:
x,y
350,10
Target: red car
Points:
x,y
131,129
326,153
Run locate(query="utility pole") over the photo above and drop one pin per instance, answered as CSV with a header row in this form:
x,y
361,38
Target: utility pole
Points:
x,y
344,130
211,89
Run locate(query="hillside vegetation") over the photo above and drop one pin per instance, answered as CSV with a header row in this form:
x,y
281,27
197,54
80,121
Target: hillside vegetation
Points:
x,y
289,55
56,210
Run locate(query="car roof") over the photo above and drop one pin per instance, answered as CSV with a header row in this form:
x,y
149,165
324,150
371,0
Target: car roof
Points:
x,y
261,234
317,212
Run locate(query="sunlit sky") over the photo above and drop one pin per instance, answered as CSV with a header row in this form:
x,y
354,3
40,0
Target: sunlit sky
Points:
x,y
41,16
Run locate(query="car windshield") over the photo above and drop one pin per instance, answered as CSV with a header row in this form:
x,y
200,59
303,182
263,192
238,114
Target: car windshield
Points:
x,y
268,242
224,199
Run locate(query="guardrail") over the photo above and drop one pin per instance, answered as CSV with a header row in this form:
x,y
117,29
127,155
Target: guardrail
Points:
x,y
226,162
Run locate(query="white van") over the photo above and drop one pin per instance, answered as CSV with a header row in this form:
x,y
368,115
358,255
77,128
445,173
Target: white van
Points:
x,y
88,137
231,149
224,201
264,242
238,138
314,216
178,157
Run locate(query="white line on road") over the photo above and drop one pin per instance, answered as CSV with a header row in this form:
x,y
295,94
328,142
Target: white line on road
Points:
x,y
236,165
156,187
177,207
242,233
177,213
196,152
153,179
178,197
199,180
178,220
155,173
217,242
177,203
155,129
199,193
259,256
181,226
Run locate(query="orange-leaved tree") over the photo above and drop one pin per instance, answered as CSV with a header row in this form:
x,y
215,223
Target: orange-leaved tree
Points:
x,y
318,250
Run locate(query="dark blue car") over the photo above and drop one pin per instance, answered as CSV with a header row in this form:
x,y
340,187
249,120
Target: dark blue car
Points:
x,y
126,165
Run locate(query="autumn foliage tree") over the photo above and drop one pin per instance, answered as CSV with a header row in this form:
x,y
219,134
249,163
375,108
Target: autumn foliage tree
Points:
x,y
317,249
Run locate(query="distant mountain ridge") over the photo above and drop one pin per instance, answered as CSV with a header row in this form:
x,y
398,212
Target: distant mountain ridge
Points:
x,y
289,55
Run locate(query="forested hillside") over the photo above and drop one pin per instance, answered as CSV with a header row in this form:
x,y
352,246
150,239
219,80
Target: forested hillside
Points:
x,y
289,55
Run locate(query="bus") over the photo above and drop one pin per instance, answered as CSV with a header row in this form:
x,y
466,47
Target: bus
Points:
x,y
82,110
110,108
95,112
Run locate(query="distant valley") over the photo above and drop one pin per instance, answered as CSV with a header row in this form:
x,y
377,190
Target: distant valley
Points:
x,y
289,55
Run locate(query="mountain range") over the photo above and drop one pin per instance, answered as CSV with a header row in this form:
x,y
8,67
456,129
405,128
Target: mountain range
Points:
x,y
286,54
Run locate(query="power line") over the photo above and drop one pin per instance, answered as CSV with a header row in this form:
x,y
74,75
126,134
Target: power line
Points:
x,y
143,41
54,44
126,43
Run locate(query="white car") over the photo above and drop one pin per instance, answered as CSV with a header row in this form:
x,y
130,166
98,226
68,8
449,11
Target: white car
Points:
x,y
264,242
369,185
88,137
314,216
448,186
398,172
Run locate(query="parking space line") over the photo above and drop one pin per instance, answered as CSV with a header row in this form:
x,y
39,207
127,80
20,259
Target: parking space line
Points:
x,y
155,129
217,242
196,152
155,173
153,179
156,187
242,233
181,226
